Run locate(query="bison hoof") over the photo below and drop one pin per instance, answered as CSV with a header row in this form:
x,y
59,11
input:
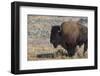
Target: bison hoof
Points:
x,y
70,54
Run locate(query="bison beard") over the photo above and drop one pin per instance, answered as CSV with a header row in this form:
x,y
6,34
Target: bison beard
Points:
x,y
69,35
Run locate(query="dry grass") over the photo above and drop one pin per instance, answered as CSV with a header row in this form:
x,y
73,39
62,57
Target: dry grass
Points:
x,y
79,54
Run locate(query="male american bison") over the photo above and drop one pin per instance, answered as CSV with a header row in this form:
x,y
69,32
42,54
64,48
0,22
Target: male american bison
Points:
x,y
69,35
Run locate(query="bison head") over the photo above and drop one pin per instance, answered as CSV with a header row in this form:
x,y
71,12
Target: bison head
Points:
x,y
55,37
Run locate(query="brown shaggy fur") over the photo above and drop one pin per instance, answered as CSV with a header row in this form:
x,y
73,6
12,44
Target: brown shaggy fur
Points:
x,y
70,31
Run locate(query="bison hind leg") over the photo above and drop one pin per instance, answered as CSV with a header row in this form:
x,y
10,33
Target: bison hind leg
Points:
x,y
85,47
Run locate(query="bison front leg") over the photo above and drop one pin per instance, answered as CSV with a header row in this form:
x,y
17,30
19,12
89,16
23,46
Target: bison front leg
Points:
x,y
71,51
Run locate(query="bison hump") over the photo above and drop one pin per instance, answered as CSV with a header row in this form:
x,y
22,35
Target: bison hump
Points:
x,y
70,40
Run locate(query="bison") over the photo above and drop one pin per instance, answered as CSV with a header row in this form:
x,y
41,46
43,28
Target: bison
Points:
x,y
69,35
